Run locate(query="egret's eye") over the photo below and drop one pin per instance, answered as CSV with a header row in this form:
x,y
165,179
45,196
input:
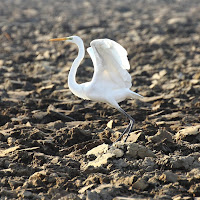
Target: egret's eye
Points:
x,y
69,38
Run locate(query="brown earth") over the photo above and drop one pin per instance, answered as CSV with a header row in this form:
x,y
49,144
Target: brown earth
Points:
x,y
46,133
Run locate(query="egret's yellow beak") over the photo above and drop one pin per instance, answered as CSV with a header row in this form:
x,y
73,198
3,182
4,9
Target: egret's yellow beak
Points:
x,y
60,39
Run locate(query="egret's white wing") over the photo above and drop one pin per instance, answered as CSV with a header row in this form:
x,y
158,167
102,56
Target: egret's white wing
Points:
x,y
92,55
120,54
111,61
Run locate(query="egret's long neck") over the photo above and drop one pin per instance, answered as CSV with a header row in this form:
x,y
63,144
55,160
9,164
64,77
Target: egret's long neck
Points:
x,y
73,85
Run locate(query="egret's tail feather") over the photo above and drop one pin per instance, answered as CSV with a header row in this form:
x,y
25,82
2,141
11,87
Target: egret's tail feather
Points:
x,y
135,95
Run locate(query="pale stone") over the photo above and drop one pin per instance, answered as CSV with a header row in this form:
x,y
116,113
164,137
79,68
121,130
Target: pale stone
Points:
x,y
98,150
188,131
110,124
118,153
101,160
85,188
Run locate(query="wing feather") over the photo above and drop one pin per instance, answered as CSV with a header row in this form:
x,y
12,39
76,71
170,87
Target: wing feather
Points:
x,y
92,55
110,60
120,54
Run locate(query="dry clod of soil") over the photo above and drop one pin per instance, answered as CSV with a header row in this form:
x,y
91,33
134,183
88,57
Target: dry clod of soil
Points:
x,y
130,198
190,133
140,184
99,150
161,135
135,150
101,160
136,136
103,155
168,176
194,174
54,145
104,191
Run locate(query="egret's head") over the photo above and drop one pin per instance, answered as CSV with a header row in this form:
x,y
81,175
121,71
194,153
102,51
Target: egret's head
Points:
x,y
72,39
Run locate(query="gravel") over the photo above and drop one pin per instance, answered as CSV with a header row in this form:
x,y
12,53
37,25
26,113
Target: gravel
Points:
x,y
54,145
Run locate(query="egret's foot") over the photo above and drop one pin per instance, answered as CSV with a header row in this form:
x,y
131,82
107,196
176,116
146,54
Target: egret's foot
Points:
x,y
127,130
130,129
124,132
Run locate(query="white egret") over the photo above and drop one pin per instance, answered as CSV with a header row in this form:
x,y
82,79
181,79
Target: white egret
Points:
x,y
111,81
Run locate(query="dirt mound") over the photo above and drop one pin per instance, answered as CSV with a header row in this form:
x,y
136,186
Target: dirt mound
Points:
x,y
54,145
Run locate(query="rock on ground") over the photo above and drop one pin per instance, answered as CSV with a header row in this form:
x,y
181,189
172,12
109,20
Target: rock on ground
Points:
x,y
54,145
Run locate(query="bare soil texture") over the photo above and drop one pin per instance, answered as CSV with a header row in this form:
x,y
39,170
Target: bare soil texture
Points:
x,y
54,145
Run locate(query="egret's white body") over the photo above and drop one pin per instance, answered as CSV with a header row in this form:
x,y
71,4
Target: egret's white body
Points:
x,y
111,81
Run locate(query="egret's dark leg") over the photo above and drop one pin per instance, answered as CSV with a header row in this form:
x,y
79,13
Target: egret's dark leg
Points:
x,y
130,129
124,132
130,126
